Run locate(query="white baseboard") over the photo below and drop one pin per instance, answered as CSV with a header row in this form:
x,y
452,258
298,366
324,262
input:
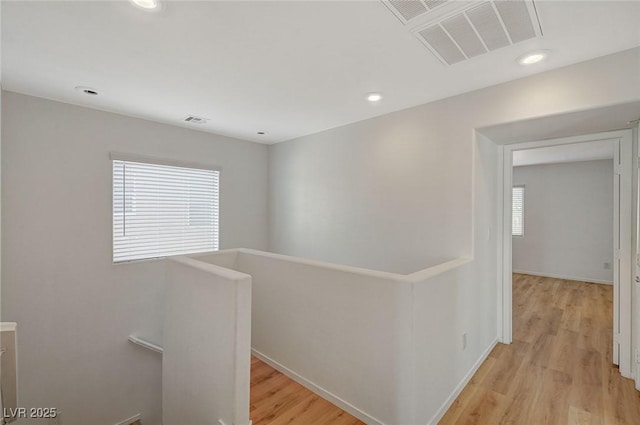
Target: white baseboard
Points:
x,y
344,405
359,413
557,276
130,420
463,383
221,422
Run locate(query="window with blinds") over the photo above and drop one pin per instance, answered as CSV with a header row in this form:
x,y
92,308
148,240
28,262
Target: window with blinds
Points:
x,y
161,210
517,211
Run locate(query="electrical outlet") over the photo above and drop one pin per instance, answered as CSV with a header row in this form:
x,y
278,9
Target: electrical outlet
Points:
x,y
464,341
607,266
637,355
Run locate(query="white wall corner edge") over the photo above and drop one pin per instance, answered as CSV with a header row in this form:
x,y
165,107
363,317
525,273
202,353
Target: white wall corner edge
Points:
x,y
463,383
130,420
329,396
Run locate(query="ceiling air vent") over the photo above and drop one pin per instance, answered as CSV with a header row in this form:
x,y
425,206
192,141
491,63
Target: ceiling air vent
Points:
x,y
407,10
516,19
195,120
480,29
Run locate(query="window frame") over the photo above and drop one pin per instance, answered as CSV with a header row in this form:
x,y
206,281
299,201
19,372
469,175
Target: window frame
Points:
x,y
119,156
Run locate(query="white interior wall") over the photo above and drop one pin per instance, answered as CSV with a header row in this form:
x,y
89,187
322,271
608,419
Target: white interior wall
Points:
x,y
338,330
402,182
398,192
568,219
1,420
75,308
329,326
62,287
206,342
463,301
0,199
635,309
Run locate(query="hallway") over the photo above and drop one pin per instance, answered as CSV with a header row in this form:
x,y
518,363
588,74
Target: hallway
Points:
x,y
558,370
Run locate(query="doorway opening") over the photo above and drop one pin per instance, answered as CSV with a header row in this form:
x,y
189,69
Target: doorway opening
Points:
x,y
567,261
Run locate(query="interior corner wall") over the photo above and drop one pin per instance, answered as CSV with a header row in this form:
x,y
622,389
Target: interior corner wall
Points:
x,y
466,301
0,197
568,219
0,169
635,289
0,175
395,192
404,190
74,307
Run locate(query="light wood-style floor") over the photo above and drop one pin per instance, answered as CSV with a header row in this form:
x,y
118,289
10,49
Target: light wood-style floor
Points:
x,y
558,370
278,400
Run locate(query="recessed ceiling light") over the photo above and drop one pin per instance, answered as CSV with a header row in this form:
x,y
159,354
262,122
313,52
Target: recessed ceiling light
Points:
x,y
87,90
533,57
145,4
374,97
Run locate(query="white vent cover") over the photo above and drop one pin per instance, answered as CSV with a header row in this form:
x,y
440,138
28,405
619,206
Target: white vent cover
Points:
x,y
480,29
407,10
195,120
455,31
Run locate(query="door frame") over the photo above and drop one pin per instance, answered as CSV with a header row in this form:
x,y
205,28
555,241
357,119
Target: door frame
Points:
x,y
623,253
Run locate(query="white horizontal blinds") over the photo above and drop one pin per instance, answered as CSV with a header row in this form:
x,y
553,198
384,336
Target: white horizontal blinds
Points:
x,y
162,210
517,208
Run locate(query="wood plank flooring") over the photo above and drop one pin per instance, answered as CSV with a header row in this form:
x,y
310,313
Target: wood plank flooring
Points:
x,y
278,400
558,370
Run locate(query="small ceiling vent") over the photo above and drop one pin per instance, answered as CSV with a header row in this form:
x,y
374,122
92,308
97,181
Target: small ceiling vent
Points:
x,y
480,29
195,120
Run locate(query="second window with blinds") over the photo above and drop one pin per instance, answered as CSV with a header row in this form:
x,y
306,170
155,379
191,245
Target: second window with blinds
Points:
x,y
162,209
517,211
